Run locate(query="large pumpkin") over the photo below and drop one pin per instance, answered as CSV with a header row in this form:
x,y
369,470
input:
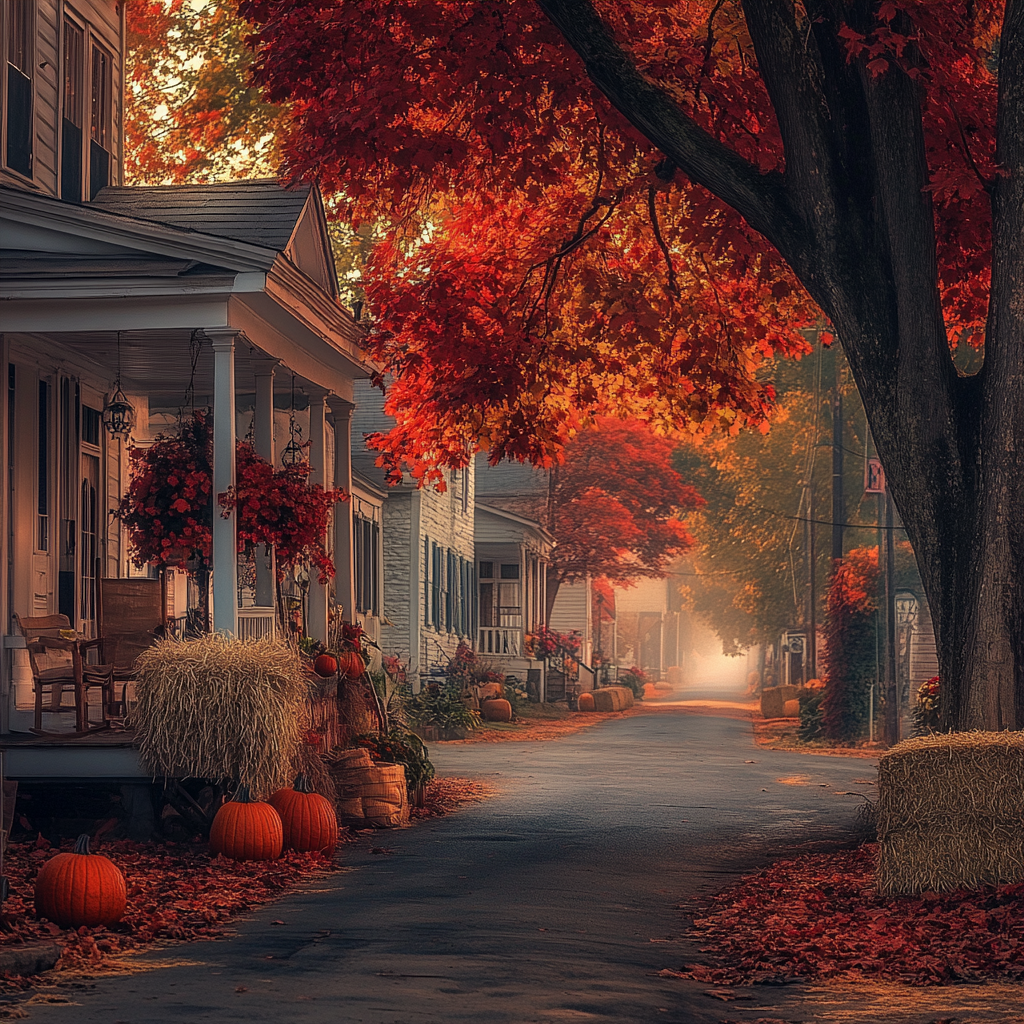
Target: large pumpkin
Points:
x,y
496,710
308,819
585,702
247,829
326,666
80,888
350,663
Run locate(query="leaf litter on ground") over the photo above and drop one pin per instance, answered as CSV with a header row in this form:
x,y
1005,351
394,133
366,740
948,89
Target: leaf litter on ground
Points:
x,y
819,916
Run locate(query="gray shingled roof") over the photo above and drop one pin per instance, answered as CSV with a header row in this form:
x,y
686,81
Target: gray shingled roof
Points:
x,y
258,212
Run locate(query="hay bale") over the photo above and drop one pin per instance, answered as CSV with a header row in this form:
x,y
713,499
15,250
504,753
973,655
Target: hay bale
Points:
x,y
951,813
217,708
791,709
497,709
375,795
773,700
613,698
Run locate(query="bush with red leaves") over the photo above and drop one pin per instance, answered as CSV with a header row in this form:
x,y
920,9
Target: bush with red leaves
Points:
x,y
819,916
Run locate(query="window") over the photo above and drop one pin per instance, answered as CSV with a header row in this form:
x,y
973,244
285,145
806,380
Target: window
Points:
x,y
510,572
435,586
43,469
101,121
19,86
71,124
367,564
449,592
91,420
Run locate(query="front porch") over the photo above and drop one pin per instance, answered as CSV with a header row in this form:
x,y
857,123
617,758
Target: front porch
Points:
x,y
245,325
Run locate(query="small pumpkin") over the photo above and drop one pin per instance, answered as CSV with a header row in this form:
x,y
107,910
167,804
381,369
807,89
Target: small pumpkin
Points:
x,y
585,702
81,888
350,663
308,819
326,666
247,829
496,710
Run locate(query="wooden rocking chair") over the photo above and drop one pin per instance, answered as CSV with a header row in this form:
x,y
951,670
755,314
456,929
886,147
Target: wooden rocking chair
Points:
x,y
59,667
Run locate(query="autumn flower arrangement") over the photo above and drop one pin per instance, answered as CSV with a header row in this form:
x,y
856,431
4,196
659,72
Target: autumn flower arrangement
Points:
x,y
544,643
168,509
927,709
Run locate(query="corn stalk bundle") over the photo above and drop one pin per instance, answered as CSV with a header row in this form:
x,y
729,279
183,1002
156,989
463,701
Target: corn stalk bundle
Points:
x,y
217,708
951,812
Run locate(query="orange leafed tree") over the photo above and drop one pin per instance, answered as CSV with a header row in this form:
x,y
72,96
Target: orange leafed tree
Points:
x,y
590,204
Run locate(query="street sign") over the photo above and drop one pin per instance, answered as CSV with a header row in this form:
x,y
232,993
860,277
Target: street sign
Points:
x,y
874,477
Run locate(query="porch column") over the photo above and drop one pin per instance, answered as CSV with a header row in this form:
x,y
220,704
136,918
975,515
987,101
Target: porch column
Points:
x,y
263,443
317,617
225,548
344,562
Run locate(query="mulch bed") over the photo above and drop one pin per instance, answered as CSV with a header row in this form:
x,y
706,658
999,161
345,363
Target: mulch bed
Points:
x,y
177,892
819,916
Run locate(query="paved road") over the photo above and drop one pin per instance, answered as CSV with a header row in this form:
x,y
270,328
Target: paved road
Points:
x,y
538,905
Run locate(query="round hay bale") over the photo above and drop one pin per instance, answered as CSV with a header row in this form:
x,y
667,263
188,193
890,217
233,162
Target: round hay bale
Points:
x,y
585,702
497,709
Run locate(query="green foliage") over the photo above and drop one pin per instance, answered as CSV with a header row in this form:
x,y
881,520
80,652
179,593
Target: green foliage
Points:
x,y
404,748
811,715
634,678
441,705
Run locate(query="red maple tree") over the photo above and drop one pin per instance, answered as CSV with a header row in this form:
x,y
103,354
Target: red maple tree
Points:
x,y
590,204
614,507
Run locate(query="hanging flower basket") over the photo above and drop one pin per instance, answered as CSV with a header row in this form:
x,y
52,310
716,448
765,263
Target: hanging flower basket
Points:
x,y
168,508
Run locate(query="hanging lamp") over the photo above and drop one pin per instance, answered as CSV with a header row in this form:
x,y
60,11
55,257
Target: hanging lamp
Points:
x,y
294,453
119,413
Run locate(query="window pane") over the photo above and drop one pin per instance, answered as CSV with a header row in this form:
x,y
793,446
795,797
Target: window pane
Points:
x,y
101,94
486,570
510,572
74,46
487,605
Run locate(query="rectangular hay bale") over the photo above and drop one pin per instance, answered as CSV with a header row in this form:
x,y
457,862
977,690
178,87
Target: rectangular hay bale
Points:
x,y
773,700
951,813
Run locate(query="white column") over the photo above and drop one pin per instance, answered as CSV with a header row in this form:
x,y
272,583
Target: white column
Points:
x,y
263,443
225,549
344,562
317,616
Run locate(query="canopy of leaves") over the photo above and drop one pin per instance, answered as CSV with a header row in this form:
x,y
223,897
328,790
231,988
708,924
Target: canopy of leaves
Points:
x,y
540,261
614,505
191,113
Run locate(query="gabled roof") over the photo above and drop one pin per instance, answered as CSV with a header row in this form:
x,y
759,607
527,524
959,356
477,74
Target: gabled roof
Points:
x,y
260,212
257,212
511,517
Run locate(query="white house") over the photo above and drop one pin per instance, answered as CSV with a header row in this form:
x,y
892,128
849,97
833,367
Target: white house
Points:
x,y
429,573
218,296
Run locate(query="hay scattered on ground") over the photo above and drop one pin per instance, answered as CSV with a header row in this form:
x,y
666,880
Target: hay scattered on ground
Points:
x,y
950,812
217,708
448,793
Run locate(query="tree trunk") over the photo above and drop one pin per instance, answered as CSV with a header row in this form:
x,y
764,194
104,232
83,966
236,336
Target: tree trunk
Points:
x,y
852,216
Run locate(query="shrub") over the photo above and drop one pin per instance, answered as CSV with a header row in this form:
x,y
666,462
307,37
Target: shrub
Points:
x,y
634,678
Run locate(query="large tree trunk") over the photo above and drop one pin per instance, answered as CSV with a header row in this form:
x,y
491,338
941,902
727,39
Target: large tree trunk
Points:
x,y
853,218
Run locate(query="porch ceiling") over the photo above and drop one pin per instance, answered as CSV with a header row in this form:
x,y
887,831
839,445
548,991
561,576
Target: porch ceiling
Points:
x,y
158,363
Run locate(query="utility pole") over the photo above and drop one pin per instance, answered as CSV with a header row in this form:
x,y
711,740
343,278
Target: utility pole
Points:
x,y
810,619
838,498
892,696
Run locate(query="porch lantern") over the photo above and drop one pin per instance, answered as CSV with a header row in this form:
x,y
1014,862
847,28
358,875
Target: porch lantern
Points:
x,y
906,608
119,413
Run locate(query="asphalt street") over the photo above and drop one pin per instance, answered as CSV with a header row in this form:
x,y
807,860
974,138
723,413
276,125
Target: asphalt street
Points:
x,y
554,901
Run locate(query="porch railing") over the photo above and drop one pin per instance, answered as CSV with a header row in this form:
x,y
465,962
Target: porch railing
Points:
x,y
255,623
497,640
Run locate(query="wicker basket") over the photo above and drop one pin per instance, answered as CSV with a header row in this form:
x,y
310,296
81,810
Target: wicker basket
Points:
x,y
371,795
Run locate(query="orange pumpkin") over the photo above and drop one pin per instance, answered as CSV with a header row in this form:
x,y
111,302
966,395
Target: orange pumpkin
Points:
x,y
308,819
326,666
80,888
247,829
350,663
496,710
585,702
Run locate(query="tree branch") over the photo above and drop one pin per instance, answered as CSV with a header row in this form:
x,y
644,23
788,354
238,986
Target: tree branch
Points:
x,y
761,199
